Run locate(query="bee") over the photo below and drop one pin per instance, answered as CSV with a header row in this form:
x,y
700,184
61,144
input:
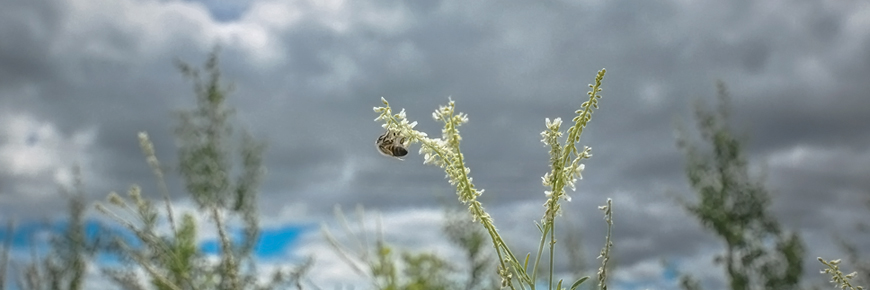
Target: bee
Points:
x,y
392,144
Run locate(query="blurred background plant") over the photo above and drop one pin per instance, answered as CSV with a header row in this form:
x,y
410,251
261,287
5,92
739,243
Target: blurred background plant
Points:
x,y
377,260
735,206
70,252
208,157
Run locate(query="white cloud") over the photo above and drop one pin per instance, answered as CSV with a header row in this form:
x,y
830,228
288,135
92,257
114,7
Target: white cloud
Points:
x,y
33,147
819,159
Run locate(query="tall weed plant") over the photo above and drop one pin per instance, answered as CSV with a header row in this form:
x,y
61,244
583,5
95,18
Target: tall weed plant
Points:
x,y
565,170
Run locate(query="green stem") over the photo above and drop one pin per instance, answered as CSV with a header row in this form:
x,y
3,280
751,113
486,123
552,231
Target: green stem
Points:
x,y
552,246
544,230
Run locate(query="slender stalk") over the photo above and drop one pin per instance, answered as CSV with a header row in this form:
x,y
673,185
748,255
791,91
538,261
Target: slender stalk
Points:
x,y
151,157
226,247
605,252
544,230
552,252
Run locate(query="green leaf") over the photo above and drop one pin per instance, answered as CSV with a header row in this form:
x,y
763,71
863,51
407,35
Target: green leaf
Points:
x,y
526,263
577,284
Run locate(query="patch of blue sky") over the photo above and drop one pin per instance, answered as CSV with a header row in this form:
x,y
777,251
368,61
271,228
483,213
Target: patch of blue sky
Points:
x,y
669,276
34,233
36,236
671,272
273,243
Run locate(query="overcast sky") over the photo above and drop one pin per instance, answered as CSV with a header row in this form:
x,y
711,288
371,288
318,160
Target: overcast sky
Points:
x,y
80,78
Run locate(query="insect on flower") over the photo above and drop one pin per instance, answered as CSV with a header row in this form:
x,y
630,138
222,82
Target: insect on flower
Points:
x,y
392,144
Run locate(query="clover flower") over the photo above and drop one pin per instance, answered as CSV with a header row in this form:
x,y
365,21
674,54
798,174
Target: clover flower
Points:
x,y
565,169
843,281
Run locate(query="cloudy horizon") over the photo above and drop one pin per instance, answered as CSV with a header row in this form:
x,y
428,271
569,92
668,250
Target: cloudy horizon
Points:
x,y
79,79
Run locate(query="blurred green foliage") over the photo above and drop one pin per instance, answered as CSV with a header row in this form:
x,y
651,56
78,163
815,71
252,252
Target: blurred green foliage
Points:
x,y
735,206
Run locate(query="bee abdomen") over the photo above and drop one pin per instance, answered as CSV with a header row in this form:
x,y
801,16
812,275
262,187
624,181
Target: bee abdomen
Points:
x,y
399,151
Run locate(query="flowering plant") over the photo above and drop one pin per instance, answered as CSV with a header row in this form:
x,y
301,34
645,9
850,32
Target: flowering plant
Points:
x,y
565,169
